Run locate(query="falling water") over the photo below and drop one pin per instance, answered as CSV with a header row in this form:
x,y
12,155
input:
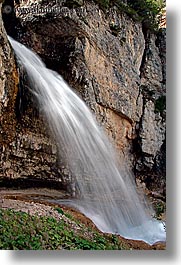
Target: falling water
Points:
x,y
106,193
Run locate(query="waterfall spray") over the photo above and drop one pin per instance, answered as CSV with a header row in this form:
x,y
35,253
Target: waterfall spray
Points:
x,y
107,193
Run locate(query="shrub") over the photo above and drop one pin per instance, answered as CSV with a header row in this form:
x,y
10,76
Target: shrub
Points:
x,y
146,11
160,104
149,11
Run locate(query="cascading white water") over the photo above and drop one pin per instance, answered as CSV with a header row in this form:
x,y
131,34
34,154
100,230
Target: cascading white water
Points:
x,y
106,193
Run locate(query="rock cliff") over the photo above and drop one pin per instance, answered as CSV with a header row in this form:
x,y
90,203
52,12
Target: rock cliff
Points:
x,y
28,155
116,66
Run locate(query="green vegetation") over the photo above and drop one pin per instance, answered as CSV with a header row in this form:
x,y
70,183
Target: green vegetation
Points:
x,y
159,209
160,104
146,11
104,4
115,29
20,231
149,11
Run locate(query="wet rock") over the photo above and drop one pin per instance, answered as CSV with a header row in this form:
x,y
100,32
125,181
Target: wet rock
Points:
x,y
80,50
117,69
8,89
26,149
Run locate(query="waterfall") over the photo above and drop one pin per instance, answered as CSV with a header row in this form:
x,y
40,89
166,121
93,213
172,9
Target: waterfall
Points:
x,y
106,193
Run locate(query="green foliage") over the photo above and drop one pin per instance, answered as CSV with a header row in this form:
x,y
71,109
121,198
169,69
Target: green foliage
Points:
x,y
160,104
20,231
159,209
122,7
115,29
146,11
104,4
149,11
59,210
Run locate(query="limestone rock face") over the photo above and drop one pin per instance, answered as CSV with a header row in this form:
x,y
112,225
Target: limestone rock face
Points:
x,y
8,88
26,151
115,67
152,133
89,49
8,93
152,127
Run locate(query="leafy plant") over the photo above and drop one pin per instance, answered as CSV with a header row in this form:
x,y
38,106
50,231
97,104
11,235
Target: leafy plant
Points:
x,y
159,209
160,104
20,231
59,210
149,11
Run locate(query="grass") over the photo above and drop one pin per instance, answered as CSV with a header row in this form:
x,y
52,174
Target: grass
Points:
x,y
21,231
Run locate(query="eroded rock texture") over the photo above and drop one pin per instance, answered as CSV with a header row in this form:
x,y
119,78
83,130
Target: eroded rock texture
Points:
x,y
152,128
26,150
116,68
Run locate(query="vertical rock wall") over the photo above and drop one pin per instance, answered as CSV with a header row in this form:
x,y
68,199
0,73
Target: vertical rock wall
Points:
x,y
27,153
151,162
117,69
8,88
